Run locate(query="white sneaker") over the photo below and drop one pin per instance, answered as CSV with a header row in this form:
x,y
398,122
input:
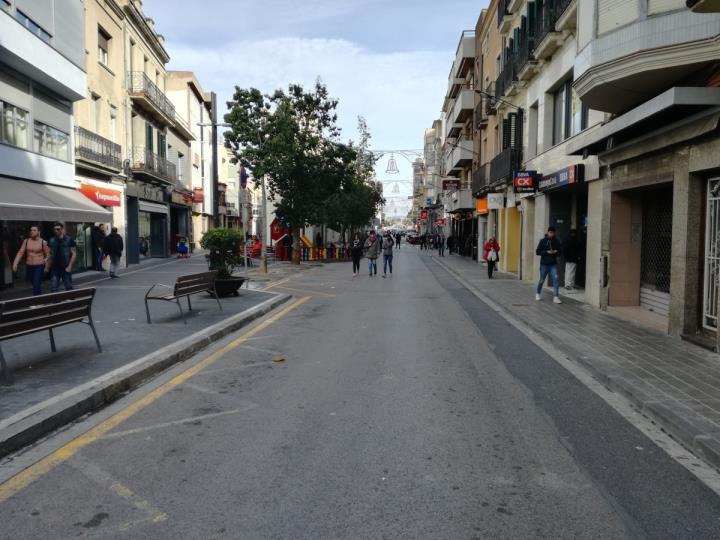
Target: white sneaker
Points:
x,y
556,300
538,297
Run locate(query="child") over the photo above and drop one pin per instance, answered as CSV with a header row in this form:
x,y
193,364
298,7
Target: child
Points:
x,y
182,249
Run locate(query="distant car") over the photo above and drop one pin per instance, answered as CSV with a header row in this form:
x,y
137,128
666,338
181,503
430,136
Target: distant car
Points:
x,y
412,239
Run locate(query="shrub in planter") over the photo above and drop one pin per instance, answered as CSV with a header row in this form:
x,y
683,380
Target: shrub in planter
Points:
x,y
224,248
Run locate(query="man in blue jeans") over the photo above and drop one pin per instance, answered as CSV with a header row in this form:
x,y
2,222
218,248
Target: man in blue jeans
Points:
x,y
548,250
61,260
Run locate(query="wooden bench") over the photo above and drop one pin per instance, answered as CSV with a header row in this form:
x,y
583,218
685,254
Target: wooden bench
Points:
x,y
185,286
44,312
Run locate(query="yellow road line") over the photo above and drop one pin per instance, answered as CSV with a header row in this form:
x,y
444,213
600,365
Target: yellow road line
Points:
x,y
277,283
23,479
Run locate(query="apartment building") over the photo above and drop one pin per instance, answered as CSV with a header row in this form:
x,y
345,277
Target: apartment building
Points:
x,y
487,142
42,73
192,102
231,201
459,154
653,66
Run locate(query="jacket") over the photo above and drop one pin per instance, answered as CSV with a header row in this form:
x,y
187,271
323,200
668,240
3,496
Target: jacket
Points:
x,y
113,244
489,246
356,250
372,249
571,249
387,245
64,246
545,245
98,238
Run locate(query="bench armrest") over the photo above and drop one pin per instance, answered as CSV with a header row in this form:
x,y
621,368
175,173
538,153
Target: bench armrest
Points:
x,y
147,294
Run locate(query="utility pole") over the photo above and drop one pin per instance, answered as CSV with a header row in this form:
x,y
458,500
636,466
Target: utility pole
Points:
x,y
215,169
263,247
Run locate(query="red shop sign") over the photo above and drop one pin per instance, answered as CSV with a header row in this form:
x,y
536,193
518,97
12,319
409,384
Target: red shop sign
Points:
x,y
102,196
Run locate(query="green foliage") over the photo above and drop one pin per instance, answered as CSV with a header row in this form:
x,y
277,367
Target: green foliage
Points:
x,y
224,247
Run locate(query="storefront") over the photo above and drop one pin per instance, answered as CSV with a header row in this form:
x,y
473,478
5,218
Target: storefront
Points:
x,y
24,204
180,218
110,197
148,222
566,200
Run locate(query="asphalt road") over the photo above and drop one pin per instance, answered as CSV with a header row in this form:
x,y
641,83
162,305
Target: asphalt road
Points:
x,y
402,408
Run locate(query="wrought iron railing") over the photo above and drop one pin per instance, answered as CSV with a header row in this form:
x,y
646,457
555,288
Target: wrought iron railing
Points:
x,y
96,149
502,10
561,7
481,113
489,99
139,83
505,164
526,47
143,160
480,178
507,76
545,20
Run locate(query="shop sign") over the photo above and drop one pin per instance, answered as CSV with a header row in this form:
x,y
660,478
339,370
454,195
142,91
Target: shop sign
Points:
x,y
495,201
278,230
563,177
145,191
102,196
451,185
423,215
440,222
182,198
481,206
524,181
198,195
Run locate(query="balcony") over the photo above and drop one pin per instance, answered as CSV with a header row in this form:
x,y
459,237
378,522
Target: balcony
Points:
x,y
464,55
463,106
703,6
150,98
504,16
143,162
549,38
527,65
504,86
460,200
481,180
489,102
97,151
459,155
480,115
504,165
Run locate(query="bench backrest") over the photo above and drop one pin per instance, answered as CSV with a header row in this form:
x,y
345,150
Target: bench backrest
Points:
x,y
194,283
27,315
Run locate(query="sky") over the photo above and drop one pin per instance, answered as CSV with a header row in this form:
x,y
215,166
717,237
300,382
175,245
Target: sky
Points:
x,y
386,60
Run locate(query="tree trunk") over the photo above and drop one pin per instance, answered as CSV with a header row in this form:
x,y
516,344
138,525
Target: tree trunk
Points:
x,y
297,246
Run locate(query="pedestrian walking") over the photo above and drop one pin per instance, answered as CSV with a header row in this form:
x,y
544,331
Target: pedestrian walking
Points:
x,y
356,250
372,250
61,259
398,237
387,247
441,244
98,240
571,254
450,243
33,253
113,248
548,249
423,242
491,255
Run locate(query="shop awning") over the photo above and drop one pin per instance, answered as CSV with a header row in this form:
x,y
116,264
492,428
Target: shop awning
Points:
x,y
154,208
33,201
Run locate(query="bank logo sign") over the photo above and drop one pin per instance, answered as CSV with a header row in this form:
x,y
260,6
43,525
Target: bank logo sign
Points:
x,y
524,181
563,177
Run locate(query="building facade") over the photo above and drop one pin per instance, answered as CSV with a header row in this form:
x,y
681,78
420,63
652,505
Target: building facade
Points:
x,y
42,74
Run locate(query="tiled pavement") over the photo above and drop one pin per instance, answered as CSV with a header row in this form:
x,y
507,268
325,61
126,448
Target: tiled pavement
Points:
x,y
673,382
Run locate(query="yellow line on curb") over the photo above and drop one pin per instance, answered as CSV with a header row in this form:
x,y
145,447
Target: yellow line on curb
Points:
x,y
276,283
26,477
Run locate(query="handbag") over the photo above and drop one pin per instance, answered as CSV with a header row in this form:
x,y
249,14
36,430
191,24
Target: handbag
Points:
x,y
492,256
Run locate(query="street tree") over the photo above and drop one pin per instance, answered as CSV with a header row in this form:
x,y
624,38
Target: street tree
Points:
x,y
291,138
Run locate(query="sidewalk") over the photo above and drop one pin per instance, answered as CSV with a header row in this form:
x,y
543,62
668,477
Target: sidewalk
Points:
x,y
119,315
674,383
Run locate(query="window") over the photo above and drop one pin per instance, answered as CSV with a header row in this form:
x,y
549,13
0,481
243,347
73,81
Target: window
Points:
x,y
149,137
103,47
51,142
95,113
113,123
181,167
14,125
5,4
31,25
570,115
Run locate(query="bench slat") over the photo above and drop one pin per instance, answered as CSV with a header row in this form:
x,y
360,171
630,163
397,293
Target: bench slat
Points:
x,y
29,326
47,309
46,299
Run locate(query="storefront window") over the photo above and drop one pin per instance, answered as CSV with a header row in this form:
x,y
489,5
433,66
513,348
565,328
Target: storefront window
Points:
x,y
51,142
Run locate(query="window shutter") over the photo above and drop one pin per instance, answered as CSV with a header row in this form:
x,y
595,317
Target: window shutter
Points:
x,y
518,130
531,18
506,132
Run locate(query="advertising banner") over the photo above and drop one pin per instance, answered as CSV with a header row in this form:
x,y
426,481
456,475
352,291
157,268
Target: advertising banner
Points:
x,y
102,196
524,181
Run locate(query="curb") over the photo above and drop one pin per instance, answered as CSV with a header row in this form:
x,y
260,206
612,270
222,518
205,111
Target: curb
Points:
x,y
690,430
28,426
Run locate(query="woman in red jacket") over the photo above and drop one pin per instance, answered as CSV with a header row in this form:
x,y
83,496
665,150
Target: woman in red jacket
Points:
x,y
491,255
